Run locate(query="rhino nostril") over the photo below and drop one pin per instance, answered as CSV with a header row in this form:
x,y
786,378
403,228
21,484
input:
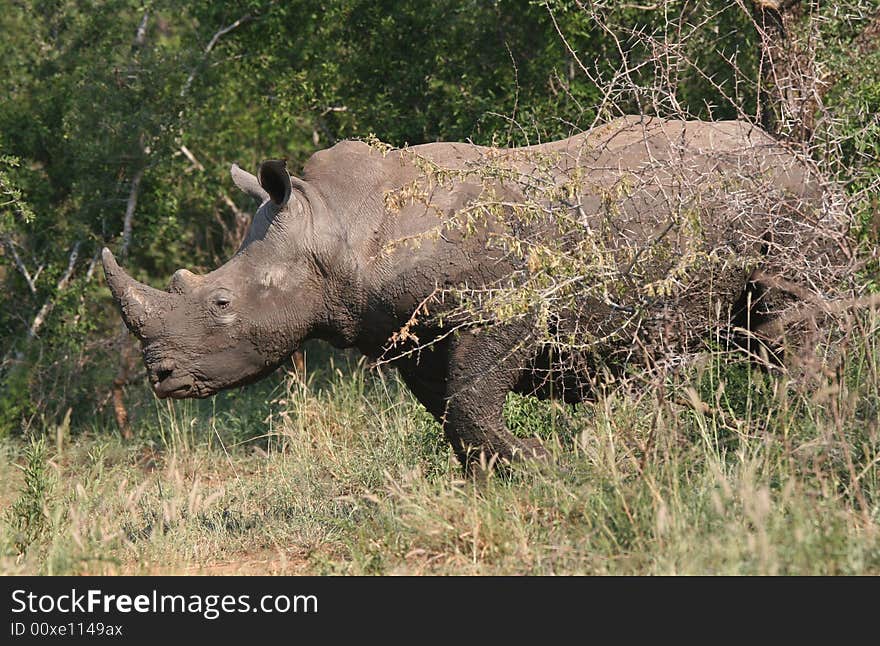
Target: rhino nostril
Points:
x,y
162,374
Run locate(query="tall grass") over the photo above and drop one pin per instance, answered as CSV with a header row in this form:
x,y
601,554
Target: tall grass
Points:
x,y
724,470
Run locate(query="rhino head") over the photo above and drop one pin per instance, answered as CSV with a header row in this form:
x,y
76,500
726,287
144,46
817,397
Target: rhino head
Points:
x,y
239,322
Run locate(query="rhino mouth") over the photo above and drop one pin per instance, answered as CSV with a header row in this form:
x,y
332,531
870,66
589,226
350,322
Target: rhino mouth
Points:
x,y
167,381
174,387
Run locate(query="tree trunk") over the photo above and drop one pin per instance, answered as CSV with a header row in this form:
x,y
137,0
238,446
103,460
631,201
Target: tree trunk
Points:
x,y
119,382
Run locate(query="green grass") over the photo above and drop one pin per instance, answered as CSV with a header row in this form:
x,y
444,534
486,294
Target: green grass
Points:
x,y
723,471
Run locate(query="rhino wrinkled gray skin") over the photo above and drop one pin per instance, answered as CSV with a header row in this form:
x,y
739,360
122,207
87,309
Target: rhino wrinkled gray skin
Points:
x,y
323,259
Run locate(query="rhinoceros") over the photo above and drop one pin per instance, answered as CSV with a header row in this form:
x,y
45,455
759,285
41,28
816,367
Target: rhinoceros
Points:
x,y
370,239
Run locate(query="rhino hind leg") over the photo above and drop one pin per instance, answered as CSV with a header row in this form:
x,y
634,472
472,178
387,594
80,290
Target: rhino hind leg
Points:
x,y
761,314
749,316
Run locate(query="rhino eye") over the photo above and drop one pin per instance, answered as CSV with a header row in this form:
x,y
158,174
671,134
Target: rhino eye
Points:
x,y
222,302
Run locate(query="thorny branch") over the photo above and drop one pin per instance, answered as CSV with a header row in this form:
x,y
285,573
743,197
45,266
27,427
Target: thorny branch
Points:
x,y
557,273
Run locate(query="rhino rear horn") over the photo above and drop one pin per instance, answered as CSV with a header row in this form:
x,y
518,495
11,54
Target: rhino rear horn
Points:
x,y
275,179
248,183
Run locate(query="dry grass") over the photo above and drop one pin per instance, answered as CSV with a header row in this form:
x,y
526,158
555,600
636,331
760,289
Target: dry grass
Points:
x,y
731,472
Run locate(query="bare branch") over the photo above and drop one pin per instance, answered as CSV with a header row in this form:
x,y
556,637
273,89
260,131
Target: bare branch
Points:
x,y
20,264
40,318
211,43
334,108
242,219
90,273
321,124
239,214
188,154
140,37
129,211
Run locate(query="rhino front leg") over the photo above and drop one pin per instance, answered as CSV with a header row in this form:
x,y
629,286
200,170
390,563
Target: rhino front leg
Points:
x,y
484,365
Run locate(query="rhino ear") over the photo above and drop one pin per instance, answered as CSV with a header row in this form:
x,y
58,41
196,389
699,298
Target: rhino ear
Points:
x,y
275,179
248,183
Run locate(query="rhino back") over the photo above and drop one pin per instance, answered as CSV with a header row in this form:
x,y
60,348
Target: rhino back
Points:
x,y
399,209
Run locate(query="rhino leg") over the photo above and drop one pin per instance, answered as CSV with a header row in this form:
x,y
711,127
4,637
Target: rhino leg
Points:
x,y
463,382
484,365
758,311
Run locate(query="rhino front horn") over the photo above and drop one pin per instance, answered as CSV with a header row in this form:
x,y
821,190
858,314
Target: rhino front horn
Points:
x,y
142,306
